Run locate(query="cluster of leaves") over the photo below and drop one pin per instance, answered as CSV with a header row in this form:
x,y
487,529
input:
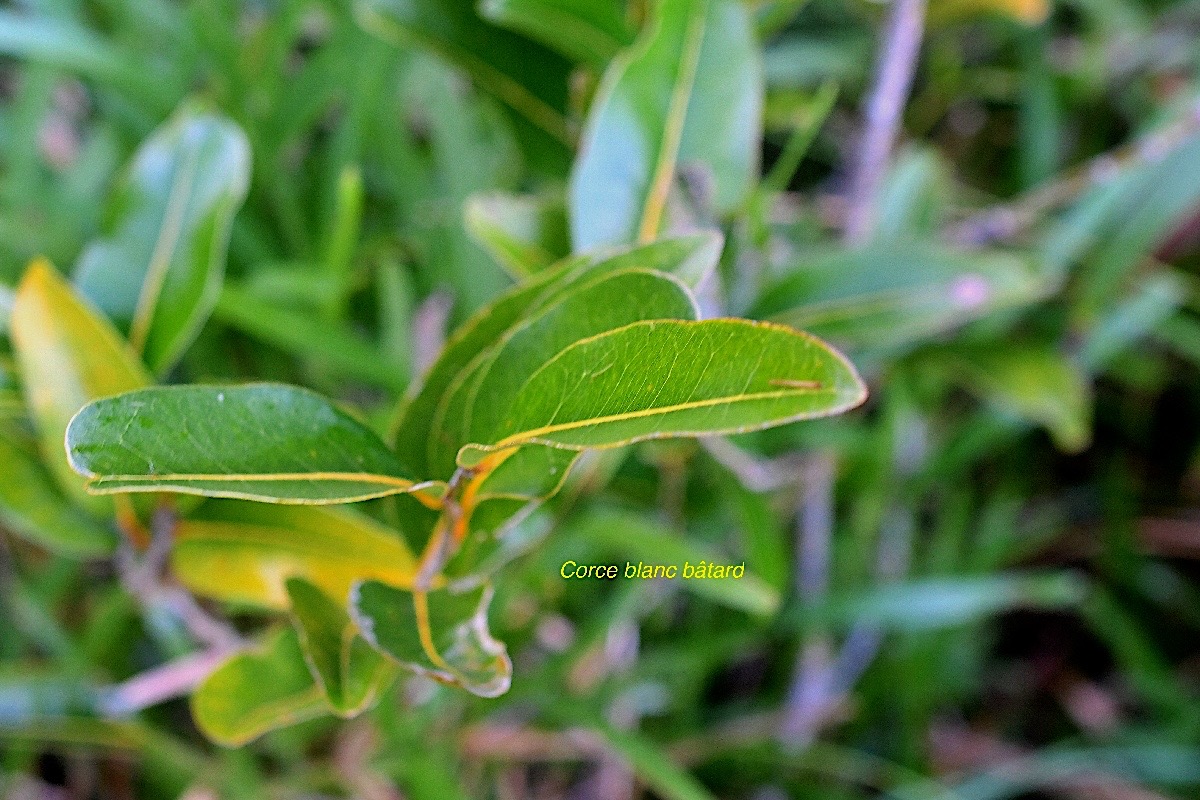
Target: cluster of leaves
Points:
x,y
583,180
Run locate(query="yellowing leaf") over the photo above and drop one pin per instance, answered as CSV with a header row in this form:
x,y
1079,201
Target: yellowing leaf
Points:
x,y
68,355
245,552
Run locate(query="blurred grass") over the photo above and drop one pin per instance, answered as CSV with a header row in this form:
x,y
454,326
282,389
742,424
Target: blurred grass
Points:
x,y
1038,631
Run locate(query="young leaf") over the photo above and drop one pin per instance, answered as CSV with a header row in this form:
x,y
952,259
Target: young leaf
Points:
x,y
689,258
266,442
31,506
584,30
258,691
534,472
482,395
667,378
690,92
526,77
243,552
68,354
159,267
440,634
888,297
348,670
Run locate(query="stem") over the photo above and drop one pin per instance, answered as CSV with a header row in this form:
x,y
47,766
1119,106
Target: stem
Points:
x,y
809,697
154,686
885,107
1007,220
144,579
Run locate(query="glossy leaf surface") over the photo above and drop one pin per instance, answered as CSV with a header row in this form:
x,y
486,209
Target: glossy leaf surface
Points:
x,y
670,378
158,268
244,552
689,258
483,395
267,442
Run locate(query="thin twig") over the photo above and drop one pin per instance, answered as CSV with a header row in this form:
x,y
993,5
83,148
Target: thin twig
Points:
x,y
820,680
807,703
885,107
144,578
1005,221
756,474
154,686
429,329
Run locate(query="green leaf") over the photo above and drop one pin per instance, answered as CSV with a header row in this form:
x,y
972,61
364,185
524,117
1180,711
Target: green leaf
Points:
x,y
244,552
440,634
6,304
523,233
688,94
529,79
642,541
266,442
668,378
890,296
936,603
690,258
534,472
159,266
1035,384
348,670
483,394
258,691
1118,223
67,354
584,30
31,506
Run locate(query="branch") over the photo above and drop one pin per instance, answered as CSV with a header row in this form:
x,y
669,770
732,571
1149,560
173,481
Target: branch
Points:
x,y
808,698
1007,220
885,107
154,686
756,474
144,578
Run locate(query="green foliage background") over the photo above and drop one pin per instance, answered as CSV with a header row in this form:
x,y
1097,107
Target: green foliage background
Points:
x,y
981,584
